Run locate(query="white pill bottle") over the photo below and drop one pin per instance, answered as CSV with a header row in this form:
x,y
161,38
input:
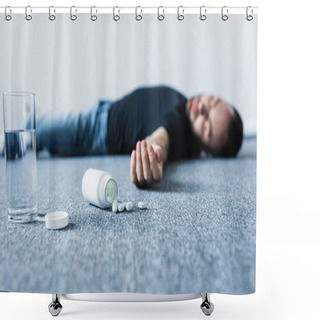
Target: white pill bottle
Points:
x,y
99,188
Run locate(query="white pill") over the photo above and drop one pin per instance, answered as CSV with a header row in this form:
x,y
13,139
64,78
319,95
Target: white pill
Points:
x,y
121,207
129,206
115,206
142,205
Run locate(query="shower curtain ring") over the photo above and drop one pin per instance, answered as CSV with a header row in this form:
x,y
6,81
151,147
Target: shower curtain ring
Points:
x,y
7,16
203,12
73,17
224,13
138,16
28,15
52,16
116,17
93,17
249,17
160,16
180,15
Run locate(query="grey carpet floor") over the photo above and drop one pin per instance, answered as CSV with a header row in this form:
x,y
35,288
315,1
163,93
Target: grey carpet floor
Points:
x,y
197,234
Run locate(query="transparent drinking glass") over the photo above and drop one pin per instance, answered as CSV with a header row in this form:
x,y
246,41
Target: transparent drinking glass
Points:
x,y
20,152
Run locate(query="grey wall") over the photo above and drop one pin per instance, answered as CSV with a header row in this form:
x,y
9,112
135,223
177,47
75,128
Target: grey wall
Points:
x,y
69,65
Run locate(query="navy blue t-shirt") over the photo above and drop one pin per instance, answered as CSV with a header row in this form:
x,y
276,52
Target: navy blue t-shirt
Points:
x,y
141,112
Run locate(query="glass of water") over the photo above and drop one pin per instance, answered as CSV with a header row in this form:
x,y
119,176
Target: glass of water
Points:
x,y
20,151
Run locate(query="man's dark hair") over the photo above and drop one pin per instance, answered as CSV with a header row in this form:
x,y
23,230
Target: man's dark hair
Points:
x,y
235,136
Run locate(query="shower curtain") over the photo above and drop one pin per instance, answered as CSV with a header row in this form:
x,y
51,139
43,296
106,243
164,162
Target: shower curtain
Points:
x,y
165,109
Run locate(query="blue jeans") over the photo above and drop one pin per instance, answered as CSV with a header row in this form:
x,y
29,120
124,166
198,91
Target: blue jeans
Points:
x,y
75,135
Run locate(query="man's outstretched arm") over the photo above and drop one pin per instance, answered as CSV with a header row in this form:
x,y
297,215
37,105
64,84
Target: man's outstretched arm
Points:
x,y
148,159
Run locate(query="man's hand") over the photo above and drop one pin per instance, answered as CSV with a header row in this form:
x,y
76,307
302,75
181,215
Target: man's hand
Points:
x,y
146,164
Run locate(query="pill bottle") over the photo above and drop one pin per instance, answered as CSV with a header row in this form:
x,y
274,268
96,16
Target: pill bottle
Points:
x,y
99,188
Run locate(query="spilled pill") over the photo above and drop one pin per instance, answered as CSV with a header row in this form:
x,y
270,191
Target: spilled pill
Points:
x,y
142,205
115,206
129,206
121,207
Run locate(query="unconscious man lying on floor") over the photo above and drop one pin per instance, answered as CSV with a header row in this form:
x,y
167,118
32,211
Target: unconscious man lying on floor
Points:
x,y
153,124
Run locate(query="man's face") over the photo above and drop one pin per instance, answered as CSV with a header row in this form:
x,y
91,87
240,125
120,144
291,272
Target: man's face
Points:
x,y
209,118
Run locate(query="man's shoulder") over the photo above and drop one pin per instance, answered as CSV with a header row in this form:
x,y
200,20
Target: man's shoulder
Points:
x,y
158,89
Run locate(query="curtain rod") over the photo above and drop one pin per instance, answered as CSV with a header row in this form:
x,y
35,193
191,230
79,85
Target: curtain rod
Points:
x,y
128,10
